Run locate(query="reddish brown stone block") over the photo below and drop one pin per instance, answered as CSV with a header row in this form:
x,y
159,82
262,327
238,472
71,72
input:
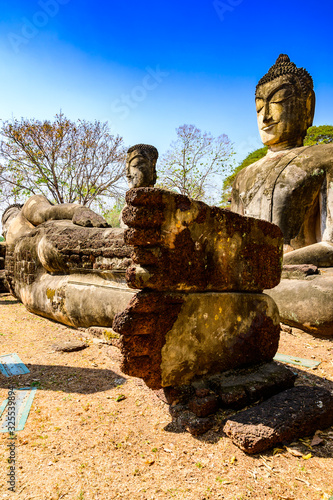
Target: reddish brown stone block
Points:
x,y
287,416
239,388
199,426
143,326
202,407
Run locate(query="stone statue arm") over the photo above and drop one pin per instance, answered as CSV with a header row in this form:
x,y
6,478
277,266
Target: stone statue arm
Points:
x,y
38,210
319,254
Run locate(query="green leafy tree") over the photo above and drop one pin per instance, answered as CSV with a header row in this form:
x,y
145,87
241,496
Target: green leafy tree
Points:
x,y
322,134
194,162
64,160
112,216
228,182
319,135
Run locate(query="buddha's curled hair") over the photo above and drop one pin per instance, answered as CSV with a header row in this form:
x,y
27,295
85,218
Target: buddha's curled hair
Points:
x,y
283,66
146,150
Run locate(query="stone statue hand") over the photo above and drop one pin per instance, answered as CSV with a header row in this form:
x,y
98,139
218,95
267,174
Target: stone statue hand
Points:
x,y
85,217
182,244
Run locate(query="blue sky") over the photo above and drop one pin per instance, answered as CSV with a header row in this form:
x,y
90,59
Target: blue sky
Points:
x,y
148,67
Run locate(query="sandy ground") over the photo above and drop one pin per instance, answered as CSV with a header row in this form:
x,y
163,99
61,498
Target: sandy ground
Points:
x,y
79,442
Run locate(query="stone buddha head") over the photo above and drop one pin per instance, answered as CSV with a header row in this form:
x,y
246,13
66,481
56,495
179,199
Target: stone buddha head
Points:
x,y
285,103
9,214
141,165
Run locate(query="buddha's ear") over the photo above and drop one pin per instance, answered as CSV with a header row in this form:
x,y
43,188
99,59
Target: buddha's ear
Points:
x,y
310,108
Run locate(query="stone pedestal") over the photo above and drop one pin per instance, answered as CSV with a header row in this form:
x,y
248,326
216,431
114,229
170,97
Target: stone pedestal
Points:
x,y
172,339
202,270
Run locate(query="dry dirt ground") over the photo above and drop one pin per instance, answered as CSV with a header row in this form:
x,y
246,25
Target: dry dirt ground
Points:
x,y
79,442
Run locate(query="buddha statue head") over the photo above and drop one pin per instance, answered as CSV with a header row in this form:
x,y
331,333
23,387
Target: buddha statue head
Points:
x,y
141,165
285,103
9,214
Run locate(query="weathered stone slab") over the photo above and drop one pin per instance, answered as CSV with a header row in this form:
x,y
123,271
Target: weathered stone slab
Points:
x,y
296,412
77,300
185,245
239,388
186,420
306,304
171,339
69,346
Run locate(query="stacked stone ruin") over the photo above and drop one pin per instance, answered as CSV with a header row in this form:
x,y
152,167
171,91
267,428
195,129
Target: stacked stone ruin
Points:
x,y
202,271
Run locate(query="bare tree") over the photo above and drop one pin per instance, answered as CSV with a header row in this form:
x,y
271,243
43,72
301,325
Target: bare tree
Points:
x,y
194,161
64,160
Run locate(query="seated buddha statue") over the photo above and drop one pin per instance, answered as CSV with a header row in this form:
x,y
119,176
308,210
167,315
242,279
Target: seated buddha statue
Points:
x,y
64,261
292,185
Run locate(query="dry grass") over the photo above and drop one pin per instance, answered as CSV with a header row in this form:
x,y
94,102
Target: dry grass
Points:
x,y
80,443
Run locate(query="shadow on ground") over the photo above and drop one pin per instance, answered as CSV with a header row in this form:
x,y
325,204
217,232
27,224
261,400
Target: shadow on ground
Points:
x,y
69,379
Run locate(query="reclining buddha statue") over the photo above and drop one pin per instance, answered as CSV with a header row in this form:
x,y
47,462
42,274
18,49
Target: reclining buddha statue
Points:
x,y
64,261
292,187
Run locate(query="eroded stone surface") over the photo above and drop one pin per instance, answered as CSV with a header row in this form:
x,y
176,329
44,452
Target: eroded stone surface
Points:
x,y
143,326
199,426
291,414
216,332
71,274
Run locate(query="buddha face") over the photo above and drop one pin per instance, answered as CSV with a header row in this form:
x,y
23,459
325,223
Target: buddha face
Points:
x,y
8,216
140,171
283,113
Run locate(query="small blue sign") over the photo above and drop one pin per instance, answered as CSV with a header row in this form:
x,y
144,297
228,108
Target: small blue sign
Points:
x,y
11,364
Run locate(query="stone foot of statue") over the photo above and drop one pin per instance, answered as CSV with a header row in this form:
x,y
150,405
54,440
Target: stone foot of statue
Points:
x,y
87,218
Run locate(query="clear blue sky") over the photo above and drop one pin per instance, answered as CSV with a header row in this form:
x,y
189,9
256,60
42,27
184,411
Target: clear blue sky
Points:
x,y
148,67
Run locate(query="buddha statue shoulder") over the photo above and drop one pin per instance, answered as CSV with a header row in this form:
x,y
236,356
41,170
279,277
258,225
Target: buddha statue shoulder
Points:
x,y
292,185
